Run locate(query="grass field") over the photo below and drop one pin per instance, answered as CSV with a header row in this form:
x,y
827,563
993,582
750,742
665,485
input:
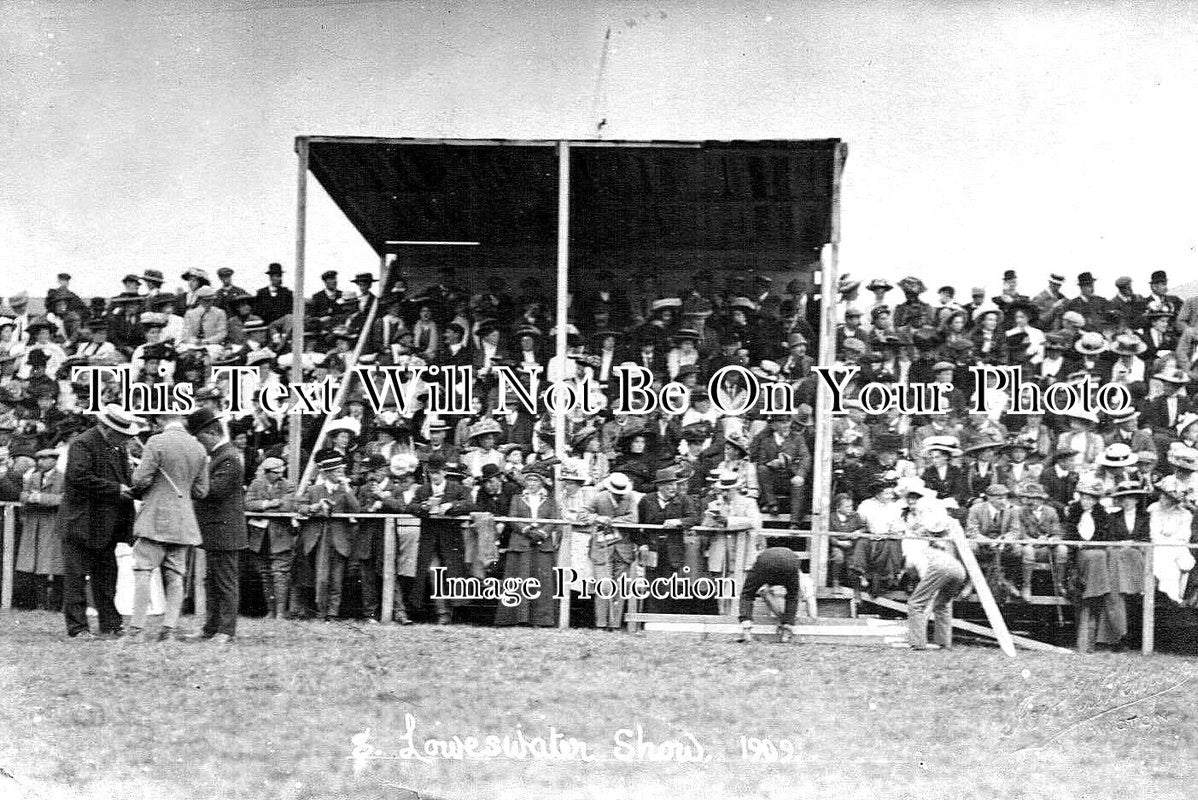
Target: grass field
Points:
x,y
275,716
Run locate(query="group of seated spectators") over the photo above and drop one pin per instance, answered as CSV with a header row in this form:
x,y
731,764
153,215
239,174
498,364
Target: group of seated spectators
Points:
x,y
1006,476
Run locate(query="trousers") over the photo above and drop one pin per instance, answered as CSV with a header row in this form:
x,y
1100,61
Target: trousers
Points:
x,y
224,591
82,563
775,566
171,559
941,582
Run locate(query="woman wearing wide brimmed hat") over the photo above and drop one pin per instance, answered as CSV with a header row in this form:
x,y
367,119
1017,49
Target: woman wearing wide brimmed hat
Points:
x,y
1128,366
637,457
1169,526
736,460
1128,522
482,437
1087,520
532,550
39,552
1081,436
989,340
684,352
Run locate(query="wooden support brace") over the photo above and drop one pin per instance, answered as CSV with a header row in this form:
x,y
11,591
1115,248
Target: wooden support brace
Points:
x,y
388,596
10,555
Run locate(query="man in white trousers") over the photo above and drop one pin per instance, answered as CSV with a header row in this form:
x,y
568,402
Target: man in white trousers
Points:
x,y
172,473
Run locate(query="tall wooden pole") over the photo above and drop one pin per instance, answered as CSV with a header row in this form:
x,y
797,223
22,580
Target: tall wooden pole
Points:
x,y
821,484
1148,644
563,312
294,431
10,554
563,273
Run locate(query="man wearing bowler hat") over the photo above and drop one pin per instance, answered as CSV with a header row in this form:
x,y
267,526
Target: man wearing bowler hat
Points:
x,y
1159,298
1092,307
274,300
221,516
441,542
326,302
356,311
677,513
1050,300
96,513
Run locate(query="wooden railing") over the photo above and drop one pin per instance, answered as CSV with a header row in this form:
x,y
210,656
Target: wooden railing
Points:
x,y
391,522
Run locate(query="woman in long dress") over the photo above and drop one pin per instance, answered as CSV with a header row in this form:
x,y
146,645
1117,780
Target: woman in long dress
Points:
x,y
40,550
1169,524
532,553
1086,520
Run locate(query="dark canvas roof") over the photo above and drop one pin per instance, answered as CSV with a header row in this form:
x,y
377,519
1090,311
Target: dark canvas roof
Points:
x,y
667,205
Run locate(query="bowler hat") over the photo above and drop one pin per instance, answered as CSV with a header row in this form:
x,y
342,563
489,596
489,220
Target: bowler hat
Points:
x,y
200,420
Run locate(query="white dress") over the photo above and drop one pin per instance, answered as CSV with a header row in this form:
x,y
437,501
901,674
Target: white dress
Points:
x,y
1170,564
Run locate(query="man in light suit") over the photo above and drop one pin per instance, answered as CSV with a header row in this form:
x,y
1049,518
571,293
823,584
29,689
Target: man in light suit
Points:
x,y
172,473
221,516
96,513
612,549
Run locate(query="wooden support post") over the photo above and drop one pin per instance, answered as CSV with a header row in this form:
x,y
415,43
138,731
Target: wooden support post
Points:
x,y
563,608
993,614
1149,630
821,483
201,583
294,432
343,387
563,283
742,555
10,555
388,595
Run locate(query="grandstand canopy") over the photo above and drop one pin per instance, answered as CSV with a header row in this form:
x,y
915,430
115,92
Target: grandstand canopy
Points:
x,y
662,205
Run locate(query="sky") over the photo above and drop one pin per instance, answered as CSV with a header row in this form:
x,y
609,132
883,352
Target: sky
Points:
x,y
982,136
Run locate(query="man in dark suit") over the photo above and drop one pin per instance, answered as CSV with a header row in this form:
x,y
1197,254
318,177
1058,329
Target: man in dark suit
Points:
x,y
441,541
783,464
669,507
221,515
1163,412
275,300
326,302
96,513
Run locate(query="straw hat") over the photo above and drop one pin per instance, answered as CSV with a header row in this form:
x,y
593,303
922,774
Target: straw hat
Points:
x,y
727,479
1118,455
1032,489
1182,456
485,427
1131,488
1187,419
1090,343
1090,485
119,420
944,444
1128,344
618,484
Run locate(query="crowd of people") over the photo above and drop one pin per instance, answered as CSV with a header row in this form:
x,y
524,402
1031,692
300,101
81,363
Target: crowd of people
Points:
x,y
999,475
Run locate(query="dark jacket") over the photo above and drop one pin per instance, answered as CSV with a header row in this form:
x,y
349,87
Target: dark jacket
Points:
x,y
668,544
92,512
222,513
271,308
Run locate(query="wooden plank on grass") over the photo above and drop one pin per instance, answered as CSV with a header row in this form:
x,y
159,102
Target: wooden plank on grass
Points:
x,y
837,632
983,591
734,620
1023,641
